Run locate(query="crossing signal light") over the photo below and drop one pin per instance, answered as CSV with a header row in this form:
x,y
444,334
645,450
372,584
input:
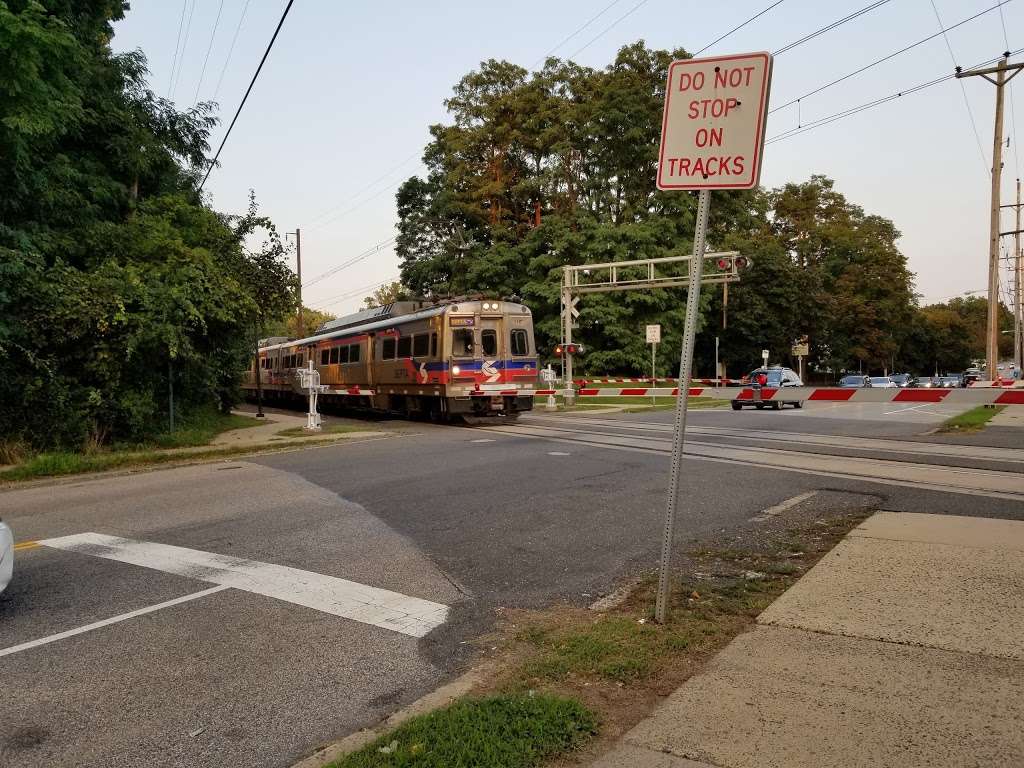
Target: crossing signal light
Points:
x,y
568,349
558,350
724,263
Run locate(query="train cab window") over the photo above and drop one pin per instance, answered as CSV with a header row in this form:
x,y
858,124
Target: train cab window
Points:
x,y
520,342
387,349
353,353
462,342
421,345
405,346
489,342
343,354
433,345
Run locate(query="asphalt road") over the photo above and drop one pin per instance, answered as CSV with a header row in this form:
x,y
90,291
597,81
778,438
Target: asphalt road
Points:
x,y
264,656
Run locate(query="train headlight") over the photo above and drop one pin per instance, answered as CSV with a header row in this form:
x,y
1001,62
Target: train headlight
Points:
x,y
456,370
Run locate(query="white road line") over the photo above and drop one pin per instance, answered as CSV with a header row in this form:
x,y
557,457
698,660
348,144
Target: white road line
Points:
x,y
781,507
908,408
329,594
483,440
111,620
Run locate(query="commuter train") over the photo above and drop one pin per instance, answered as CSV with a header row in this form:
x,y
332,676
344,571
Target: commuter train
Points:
x,y
464,357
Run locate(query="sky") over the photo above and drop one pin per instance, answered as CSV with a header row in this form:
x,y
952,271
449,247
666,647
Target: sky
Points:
x,y
340,114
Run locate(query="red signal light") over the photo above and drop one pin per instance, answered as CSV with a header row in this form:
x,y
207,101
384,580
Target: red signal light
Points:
x,y
742,262
558,350
724,263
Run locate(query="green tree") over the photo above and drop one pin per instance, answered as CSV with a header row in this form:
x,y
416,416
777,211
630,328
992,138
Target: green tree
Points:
x,y
386,294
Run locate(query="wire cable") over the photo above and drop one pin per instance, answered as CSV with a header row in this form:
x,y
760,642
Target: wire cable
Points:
x,y
607,29
830,27
266,53
967,102
371,251
213,36
737,29
231,50
592,19
177,44
1013,109
337,299
876,62
364,188
871,104
184,47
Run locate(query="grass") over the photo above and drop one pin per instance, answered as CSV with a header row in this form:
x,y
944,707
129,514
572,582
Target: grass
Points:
x,y
972,420
196,428
504,731
330,429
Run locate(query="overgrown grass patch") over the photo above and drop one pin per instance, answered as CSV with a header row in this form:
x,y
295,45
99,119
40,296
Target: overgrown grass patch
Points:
x,y
504,731
330,429
972,420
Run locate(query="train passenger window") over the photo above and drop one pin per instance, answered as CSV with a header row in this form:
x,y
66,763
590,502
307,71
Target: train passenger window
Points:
x,y
433,345
388,349
421,345
489,342
405,346
520,342
325,356
332,359
353,353
462,342
342,354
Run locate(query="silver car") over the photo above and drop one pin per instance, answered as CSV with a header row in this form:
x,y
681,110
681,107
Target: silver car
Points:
x,y
6,555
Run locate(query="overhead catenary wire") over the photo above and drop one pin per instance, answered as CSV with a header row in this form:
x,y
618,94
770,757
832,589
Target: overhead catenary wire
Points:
x,y
963,91
362,256
231,50
849,112
876,62
351,198
830,27
177,45
209,48
565,40
266,53
738,27
330,300
184,47
609,28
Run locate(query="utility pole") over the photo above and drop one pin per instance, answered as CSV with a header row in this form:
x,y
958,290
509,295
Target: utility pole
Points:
x,y
1018,287
298,269
1001,79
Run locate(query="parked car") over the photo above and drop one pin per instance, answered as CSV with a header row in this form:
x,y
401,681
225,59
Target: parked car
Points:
x,y
6,555
930,382
775,377
882,382
904,380
951,382
854,381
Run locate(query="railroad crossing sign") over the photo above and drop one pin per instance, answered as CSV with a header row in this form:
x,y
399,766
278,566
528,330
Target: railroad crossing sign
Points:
x,y
712,132
653,334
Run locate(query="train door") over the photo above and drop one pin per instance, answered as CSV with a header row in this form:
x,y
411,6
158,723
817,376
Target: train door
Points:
x,y
493,349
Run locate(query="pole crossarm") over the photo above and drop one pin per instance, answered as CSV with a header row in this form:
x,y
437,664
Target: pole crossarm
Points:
x,y
643,274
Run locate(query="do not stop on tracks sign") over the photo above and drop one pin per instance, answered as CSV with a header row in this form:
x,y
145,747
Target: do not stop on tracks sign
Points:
x,y
712,131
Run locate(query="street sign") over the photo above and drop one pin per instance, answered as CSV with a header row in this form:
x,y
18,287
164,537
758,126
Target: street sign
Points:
x,y
712,134
764,356
801,350
653,334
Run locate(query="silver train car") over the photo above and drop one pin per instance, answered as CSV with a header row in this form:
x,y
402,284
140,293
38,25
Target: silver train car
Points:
x,y
470,357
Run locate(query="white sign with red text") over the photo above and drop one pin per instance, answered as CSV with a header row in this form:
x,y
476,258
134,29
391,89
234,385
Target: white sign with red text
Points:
x,y
712,132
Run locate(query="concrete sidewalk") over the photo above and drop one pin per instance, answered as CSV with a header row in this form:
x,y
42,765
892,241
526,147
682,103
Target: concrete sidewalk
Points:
x,y
904,646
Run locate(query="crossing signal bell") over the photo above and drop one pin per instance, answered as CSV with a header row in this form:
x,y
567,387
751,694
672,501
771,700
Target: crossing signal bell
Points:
x,y
568,349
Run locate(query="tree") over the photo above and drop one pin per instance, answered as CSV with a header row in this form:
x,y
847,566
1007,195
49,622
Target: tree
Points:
x,y
386,294
115,277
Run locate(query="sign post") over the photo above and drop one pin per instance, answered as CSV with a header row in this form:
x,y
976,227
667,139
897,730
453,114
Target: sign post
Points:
x,y
653,338
764,357
800,350
712,137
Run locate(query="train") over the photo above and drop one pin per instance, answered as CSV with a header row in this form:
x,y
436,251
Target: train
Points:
x,y
468,358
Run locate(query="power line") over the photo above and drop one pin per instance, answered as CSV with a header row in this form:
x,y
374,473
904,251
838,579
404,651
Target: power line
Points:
x,y
364,188
607,29
184,47
885,58
592,19
177,44
231,50
830,27
963,91
1013,109
371,251
871,104
738,28
248,90
213,36
356,291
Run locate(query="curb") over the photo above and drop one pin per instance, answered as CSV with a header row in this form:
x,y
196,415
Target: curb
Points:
x,y
436,699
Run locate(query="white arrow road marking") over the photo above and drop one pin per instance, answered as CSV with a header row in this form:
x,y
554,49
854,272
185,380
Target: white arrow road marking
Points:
x,y
329,594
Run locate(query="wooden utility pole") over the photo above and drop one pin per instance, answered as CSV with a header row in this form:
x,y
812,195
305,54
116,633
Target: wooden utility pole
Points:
x,y
1018,303
1001,79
